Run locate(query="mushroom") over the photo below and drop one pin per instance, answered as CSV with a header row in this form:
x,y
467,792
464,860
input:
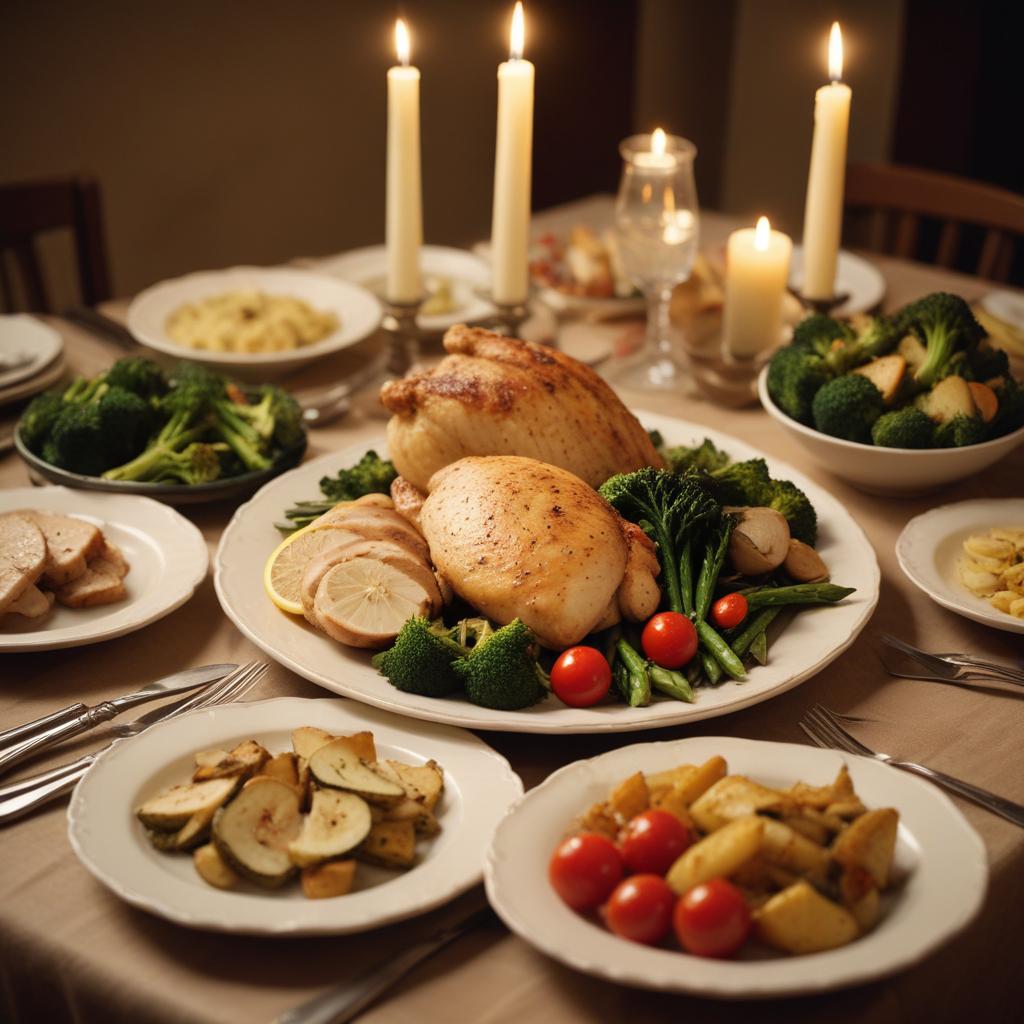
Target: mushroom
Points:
x,y
804,564
759,541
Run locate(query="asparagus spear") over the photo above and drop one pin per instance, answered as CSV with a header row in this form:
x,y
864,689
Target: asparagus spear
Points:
x,y
801,593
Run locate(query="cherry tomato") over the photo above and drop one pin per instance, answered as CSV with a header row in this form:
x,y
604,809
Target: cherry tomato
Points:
x,y
712,919
729,611
640,909
584,869
581,677
669,640
652,841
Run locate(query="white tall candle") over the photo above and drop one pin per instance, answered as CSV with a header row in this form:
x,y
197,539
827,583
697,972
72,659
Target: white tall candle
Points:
x,y
755,280
404,228
510,227
823,215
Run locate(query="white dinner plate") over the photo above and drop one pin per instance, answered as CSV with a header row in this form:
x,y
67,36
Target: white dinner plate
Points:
x,y
357,311
809,642
109,840
27,347
940,874
166,553
46,378
856,277
930,547
1007,306
468,276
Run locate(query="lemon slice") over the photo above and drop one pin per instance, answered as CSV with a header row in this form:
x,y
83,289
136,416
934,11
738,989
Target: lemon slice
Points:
x,y
364,602
282,574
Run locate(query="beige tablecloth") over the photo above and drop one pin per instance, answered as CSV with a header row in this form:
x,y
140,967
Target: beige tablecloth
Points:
x,y
72,951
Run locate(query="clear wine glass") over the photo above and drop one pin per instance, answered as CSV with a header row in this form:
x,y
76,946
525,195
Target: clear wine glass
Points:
x,y
656,227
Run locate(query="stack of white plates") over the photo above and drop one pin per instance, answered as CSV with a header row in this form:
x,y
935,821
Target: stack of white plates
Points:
x,y
31,357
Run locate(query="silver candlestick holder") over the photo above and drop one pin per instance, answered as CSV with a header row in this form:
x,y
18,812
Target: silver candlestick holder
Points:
x,y
401,353
508,317
823,306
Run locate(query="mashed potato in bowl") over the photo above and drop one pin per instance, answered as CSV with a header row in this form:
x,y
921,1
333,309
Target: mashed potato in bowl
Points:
x,y
248,321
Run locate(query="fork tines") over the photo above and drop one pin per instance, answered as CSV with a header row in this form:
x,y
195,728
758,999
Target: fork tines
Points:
x,y
233,686
822,725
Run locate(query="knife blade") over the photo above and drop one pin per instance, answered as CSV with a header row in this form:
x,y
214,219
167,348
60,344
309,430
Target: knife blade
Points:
x,y
24,741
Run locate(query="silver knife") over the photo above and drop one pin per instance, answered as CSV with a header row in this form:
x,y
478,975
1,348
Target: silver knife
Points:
x,y
26,740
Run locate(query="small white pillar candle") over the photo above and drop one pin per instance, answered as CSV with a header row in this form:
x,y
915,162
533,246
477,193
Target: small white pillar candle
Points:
x,y
404,226
510,227
755,280
823,215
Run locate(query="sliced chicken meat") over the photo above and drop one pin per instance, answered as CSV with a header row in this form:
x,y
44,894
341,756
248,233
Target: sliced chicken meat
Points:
x,y
519,538
499,396
70,543
22,557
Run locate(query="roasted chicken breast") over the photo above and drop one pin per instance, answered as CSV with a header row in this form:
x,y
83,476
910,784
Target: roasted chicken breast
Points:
x,y
518,538
499,396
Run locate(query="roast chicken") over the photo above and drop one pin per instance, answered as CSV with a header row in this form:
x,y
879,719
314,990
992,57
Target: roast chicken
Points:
x,y
493,395
515,537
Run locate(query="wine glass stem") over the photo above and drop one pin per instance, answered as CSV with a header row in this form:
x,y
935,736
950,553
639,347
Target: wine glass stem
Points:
x,y
658,341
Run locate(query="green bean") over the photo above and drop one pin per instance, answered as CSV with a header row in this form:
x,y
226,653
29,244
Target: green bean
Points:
x,y
801,593
638,693
711,667
759,648
724,654
756,624
672,684
686,576
714,556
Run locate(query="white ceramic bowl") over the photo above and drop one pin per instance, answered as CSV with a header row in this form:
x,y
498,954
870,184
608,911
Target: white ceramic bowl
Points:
x,y
358,314
890,471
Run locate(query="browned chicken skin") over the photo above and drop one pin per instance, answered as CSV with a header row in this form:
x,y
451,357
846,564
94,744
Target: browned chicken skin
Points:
x,y
499,396
518,538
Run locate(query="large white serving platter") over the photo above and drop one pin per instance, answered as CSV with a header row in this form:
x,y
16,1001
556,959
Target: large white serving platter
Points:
x,y
931,545
108,839
940,874
166,552
815,637
357,311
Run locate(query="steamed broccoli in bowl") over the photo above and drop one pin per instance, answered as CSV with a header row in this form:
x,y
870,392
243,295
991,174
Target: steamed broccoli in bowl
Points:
x,y
925,377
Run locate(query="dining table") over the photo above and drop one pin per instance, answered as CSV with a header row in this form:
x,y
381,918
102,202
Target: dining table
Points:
x,y
72,951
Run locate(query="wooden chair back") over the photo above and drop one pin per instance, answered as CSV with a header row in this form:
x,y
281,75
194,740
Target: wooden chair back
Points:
x,y
899,198
28,210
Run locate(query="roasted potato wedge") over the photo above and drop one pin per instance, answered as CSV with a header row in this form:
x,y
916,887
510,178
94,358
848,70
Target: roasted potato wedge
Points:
x,y
718,855
392,844
213,868
734,797
800,920
869,843
325,881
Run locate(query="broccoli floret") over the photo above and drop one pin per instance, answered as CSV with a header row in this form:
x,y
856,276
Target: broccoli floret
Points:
x,y
198,463
421,659
847,407
668,508
502,671
78,439
985,363
795,375
1010,414
705,456
960,431
820,333
742,483
186,426
877,337
947,327
128,421
39,419
903,428
370,475
139,376
786,498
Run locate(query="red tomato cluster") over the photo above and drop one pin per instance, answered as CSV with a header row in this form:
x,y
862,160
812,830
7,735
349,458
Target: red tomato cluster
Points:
x,y
625,881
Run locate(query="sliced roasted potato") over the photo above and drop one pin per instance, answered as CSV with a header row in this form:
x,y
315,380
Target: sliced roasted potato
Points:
x,y
869,843
253,832
950,398
690,780
913,351
886,373
391,844
629,798
734,797
246,759
362,743
789,849
307,739
674,801
422,784
337,823
718,855
800,920
337,766
859,895
423,821
985,399
325,881
171,809
283,767
821,796
213,868
598,818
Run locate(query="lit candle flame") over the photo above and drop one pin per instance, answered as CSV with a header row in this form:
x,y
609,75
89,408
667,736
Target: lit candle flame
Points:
x,y
402,42
835,53
658,142
762,234
517,37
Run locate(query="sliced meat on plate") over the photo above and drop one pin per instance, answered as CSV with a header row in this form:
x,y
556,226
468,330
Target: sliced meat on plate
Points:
x,y
22,557
101,583
70,544
32,604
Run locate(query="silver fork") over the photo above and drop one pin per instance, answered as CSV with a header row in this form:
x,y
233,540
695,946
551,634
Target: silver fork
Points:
x,y
823,727
18,798
954,667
